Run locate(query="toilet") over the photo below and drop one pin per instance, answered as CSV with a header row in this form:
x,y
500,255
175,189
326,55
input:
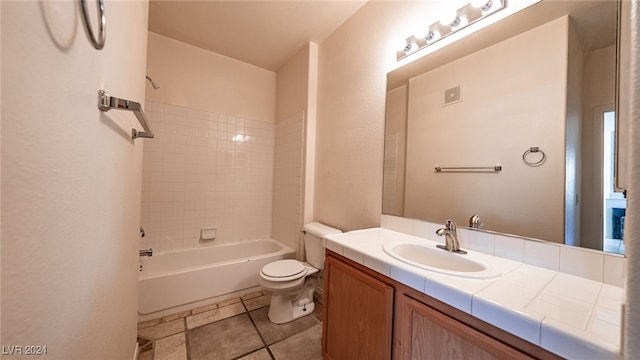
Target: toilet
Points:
x,y
292,283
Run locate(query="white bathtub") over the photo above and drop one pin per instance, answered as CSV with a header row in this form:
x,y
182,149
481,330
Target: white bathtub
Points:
x,y
183,279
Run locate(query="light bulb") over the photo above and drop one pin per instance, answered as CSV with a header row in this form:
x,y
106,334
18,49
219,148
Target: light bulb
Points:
x,y
480,3
432,36
486,5
421,32
450,18
406,45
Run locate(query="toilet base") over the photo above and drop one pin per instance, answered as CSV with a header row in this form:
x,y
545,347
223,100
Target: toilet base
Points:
x,y
285,307
281,312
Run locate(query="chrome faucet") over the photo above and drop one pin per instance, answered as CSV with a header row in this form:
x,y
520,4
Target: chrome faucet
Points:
x,y
474,222
450,234
148,252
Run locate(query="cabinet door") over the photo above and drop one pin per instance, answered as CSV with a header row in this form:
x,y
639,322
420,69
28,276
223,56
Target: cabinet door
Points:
x,y
358,314
427,333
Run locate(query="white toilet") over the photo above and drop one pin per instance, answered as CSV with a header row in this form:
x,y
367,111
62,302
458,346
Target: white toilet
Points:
x,y
291,282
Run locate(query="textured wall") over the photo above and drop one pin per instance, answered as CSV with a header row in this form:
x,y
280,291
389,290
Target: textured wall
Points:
x,y
353,63
199,79
71,179
350,124
288,201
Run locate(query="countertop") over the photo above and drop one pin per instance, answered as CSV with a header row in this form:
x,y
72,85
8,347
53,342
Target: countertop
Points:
x,y
573,317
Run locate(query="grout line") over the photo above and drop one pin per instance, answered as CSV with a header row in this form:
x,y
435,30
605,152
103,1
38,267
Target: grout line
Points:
x,y
186,339
266,346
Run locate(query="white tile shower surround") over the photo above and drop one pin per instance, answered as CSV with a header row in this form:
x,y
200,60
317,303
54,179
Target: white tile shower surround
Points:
x,y
205,170
287,180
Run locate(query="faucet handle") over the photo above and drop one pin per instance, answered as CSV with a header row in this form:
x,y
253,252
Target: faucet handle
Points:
x,y
450,225
474,222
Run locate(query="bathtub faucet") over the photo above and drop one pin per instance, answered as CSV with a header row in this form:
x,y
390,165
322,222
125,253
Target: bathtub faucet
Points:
x,y
148,252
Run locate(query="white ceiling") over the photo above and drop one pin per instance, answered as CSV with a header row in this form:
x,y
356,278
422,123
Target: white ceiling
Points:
x,y
262,33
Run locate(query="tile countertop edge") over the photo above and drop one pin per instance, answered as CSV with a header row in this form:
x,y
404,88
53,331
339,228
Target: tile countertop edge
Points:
x,y
532,328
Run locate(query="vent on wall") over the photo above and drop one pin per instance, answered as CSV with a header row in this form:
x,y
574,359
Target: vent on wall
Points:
x,y
452,95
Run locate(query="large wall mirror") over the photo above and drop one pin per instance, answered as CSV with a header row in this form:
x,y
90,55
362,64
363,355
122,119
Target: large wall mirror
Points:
x,y
534,94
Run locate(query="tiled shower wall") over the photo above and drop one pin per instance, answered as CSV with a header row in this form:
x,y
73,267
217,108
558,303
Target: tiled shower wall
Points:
x,y
287,190
205,170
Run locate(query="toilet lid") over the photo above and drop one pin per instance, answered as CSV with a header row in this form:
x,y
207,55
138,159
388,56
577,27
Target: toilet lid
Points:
x,y
284,270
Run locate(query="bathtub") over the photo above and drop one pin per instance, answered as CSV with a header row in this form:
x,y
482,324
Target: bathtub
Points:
x,y
184,279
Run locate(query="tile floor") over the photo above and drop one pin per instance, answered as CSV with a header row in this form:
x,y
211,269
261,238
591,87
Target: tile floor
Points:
x,y
233,329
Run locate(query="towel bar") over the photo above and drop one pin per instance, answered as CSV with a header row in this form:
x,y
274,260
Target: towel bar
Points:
x,y
496,168
106,103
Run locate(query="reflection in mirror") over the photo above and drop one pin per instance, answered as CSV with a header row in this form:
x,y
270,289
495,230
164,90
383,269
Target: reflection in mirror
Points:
x,y
543,78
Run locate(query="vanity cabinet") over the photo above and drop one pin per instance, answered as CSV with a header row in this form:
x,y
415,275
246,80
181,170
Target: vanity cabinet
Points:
x,y
360,315
367,315
426,333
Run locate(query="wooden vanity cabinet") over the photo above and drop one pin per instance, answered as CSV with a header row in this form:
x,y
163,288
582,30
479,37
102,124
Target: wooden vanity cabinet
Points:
x,y
367,315
427,333
360,316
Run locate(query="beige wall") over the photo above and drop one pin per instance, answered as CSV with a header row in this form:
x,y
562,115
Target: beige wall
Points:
x,y
504,111
291,108
395,145
292,85
573,135
598,94
199,79
294,154
353,63
71,179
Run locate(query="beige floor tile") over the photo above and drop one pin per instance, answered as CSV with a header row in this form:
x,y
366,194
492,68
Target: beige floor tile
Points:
x,y
224,339
272,333
146,355
228,302
175,316
257,302
144,324
202,309
305,345
163,329
171,348
252,295
214,315
261,354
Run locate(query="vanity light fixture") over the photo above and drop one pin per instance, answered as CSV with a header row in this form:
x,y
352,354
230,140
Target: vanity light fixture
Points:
x,y
449,23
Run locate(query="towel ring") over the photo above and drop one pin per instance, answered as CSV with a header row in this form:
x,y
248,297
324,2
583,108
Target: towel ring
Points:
x,y
530,151
98,42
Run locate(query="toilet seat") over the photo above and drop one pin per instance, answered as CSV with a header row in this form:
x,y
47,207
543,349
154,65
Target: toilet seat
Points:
x,y
283,270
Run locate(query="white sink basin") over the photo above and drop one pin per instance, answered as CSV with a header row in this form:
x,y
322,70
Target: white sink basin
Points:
x,y
431,258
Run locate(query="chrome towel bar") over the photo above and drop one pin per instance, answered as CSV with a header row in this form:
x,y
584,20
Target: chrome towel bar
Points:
x,y
106,103
496,168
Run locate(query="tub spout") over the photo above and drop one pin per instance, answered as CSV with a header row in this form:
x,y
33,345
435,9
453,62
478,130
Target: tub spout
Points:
x,y
148,252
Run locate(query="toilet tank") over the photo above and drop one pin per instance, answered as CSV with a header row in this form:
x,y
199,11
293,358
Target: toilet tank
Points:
x,y
314,251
